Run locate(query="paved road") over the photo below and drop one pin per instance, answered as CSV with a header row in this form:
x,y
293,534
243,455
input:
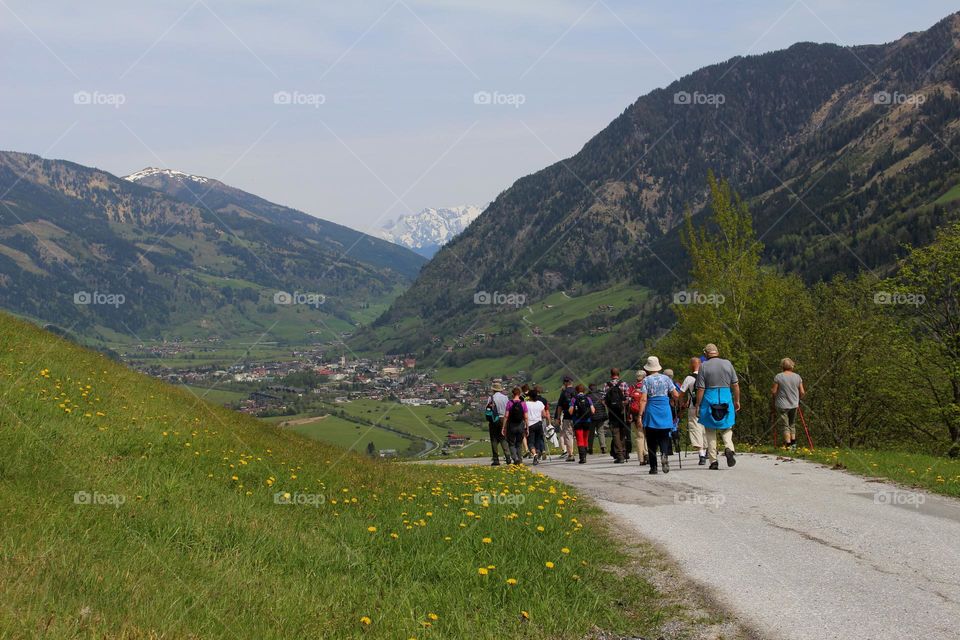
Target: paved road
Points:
x,y
795,550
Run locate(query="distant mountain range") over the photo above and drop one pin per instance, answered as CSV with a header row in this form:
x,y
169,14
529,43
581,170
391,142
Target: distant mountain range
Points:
x,y
165,254
844,154
429,229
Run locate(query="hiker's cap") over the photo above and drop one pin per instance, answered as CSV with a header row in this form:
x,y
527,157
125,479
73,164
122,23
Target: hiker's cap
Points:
x,y
711,350
567,379
652,365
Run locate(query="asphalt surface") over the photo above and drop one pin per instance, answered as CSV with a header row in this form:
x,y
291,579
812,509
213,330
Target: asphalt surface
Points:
x,y
794,549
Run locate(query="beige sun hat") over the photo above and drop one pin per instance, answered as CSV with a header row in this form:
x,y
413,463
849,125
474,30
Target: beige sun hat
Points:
x,y
497,386
652,365
711,350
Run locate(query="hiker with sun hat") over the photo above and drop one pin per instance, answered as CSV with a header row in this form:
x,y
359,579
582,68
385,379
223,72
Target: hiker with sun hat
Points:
x,y
657,396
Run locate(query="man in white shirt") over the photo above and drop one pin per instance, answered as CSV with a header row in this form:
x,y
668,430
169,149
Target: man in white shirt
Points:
x,y
688,394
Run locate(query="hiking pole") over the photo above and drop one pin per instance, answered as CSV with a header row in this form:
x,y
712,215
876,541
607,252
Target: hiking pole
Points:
x,y
805,430
773,424
679,446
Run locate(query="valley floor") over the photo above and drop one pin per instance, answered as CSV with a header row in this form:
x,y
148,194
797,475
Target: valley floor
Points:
x,y
793,550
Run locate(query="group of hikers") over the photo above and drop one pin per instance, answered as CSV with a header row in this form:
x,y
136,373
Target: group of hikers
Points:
x,y
644,416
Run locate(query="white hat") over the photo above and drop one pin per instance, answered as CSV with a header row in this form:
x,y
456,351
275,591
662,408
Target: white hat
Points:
x,y
652,365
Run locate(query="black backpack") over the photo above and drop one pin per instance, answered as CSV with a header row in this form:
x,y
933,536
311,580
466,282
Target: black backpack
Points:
x,y
692,391
615,399
515,414
566,395
581,408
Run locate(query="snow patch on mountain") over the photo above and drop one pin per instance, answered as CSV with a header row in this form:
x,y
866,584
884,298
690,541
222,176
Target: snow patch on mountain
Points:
x,y
169,173
429,229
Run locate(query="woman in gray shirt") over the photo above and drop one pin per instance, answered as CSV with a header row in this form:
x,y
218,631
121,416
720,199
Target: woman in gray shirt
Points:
x,y
786,393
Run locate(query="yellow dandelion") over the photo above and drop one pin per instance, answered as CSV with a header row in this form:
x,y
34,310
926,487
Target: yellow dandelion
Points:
x,y
372,529
548,564
565,550
487,540
511,581
483,571
365,620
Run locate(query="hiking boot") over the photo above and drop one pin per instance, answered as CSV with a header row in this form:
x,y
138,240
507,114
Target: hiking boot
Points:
x,y
731,460
603,449
582,451
570,458
495,463
536,461
543,456
653,471
714,466
665,463
703,460
619,461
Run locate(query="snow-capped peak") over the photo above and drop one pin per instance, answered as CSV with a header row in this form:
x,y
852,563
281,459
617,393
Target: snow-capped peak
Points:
x,y
168,173
430,228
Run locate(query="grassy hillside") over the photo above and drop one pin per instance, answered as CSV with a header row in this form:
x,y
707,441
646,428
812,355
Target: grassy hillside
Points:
x,y
581,333
117,263
131,510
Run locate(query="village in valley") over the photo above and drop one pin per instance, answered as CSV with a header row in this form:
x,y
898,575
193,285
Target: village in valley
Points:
x,y
314,393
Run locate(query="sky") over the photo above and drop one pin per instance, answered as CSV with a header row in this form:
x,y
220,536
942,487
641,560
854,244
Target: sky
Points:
x,y
360,111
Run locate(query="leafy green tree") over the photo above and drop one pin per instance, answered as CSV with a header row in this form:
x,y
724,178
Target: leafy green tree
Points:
x,y
747,310
929,278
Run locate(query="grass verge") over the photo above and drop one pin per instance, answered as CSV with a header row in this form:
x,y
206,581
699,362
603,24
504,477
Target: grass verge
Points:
x,y
932,473
131,509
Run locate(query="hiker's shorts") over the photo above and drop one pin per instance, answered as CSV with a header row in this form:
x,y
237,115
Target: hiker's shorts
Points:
x,y
788,422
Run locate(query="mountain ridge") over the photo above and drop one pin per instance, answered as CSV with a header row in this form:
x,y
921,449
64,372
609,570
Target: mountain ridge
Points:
x,y
182,263
430,228
810,120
